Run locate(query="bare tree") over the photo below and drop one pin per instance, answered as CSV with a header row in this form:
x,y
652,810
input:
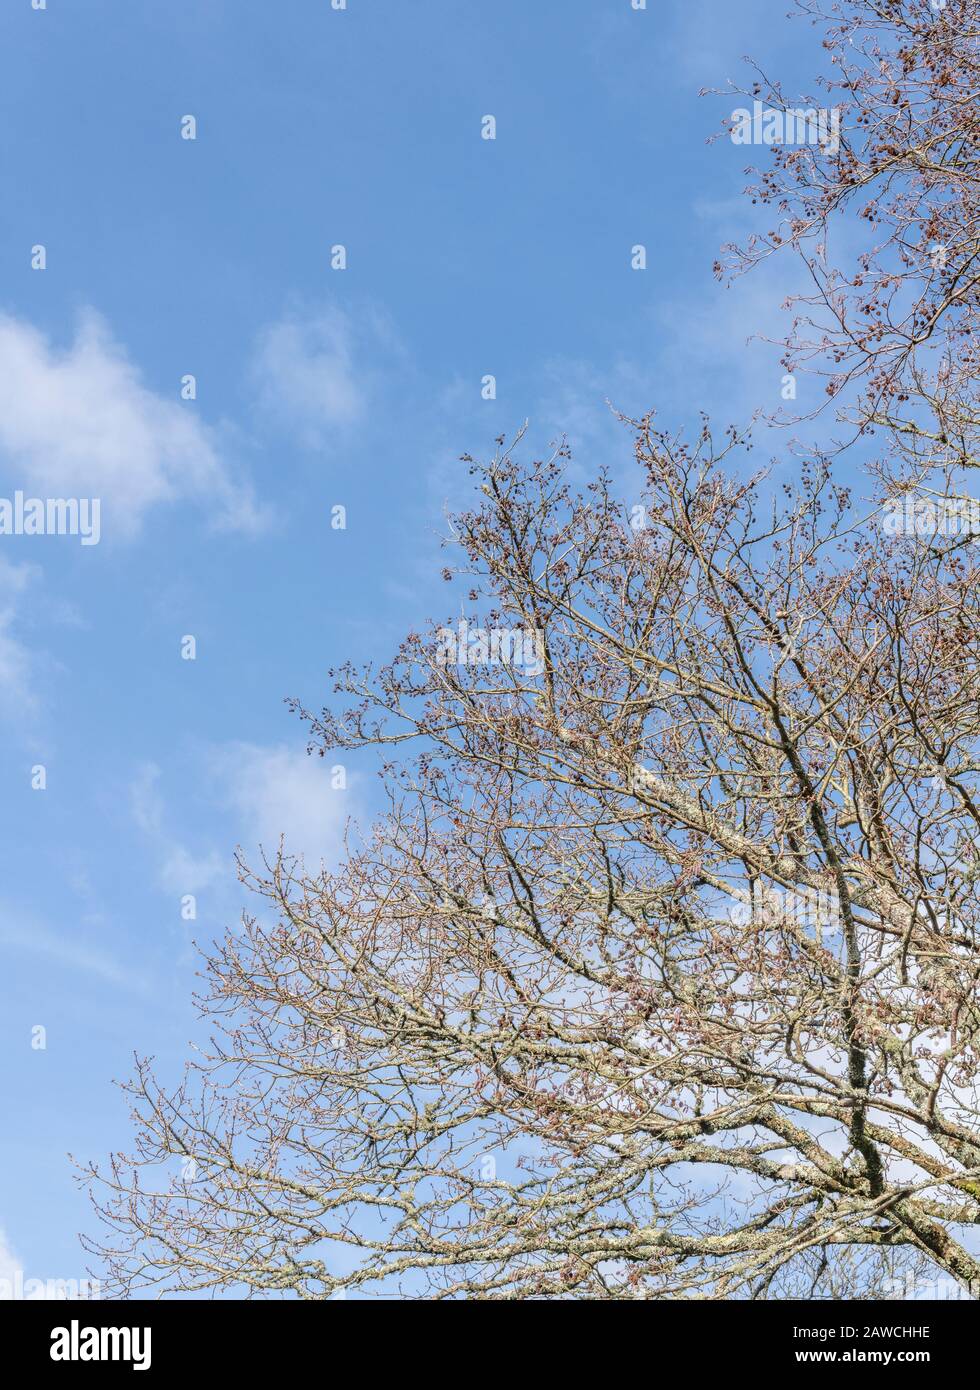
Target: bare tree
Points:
x,y
883,211
659,976
661,971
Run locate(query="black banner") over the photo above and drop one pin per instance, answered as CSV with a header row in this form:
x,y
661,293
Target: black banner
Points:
x,y
174,1337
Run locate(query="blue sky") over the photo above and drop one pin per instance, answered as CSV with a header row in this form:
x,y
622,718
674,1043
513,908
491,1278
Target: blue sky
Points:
x,y
315,387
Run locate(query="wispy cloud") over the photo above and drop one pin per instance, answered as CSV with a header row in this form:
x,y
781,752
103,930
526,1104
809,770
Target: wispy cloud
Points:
x,y
28,936
180,869
17,664
314,370
257,794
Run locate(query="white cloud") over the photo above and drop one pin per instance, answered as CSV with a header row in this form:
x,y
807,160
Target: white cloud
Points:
x,y
314,371
79,422
282,791
186,872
